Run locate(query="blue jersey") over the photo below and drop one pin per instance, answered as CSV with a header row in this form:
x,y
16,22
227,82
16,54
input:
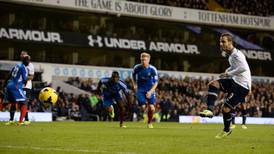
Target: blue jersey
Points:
x,y
110,89
19,75
16,82
145,77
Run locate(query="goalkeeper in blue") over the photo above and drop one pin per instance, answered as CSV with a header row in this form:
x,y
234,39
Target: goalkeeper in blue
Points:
x,y
113,89
235,81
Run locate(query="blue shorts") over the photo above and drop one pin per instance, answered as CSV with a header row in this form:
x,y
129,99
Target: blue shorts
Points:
x,y
236,93
109,100
15,94
142,99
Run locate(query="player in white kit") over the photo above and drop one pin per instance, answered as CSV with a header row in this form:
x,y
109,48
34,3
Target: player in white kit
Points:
x,y
28,87
235,81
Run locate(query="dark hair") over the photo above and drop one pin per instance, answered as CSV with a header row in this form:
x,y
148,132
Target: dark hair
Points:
x,y
26,60
115,73
229,36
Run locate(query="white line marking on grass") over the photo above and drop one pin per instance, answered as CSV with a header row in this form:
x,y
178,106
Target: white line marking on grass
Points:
x,y
61,149
166,127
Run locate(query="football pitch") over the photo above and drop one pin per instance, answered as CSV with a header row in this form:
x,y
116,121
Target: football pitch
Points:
x,y
108,138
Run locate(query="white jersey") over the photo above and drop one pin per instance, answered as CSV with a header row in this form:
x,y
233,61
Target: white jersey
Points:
x,y
239,69
30,69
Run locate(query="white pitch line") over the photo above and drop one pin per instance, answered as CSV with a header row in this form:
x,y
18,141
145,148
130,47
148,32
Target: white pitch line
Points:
x,y
62,149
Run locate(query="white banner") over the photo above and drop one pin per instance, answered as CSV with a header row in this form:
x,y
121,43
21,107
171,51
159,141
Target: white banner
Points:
x,y
33,116
126,8
219,119
51,70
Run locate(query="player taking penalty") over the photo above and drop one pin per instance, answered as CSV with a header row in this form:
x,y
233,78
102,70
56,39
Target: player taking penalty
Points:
x,y
235,81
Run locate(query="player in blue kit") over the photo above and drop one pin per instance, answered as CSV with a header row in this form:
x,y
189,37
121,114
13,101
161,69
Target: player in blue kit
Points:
x,y
145,81
14,89
113,89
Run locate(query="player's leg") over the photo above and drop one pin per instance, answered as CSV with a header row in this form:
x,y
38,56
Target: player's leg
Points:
x,y
141,98
28,95
21,99
107,103
234,114
213,90
23,111
244,113
2,105
233,120
151,110
121,113
237,95
227,120
12,108
230,103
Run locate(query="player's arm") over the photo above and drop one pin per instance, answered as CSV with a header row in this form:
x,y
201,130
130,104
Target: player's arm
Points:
x,y
228,69
24,74
240,67
134,78
223,75
31,72
23,70
125,91
153,88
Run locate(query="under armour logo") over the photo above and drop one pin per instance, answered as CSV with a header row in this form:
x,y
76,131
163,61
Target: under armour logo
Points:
x,y
97,40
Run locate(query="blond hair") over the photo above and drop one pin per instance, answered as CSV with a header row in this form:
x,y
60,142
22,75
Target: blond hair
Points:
x,y
144,54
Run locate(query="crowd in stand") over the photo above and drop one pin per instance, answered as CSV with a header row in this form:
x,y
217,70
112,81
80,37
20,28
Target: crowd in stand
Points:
x,y
195,4
175,97
149,30
250,7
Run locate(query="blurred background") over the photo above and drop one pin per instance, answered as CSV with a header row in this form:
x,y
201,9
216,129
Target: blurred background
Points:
x,y
74,43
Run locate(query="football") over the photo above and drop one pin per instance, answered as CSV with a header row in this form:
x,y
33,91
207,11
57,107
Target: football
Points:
x,y
48,95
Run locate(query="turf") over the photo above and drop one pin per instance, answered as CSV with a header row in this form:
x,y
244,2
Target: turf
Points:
x,y
108,138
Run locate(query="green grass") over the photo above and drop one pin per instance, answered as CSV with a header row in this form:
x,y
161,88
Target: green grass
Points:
x,y
108,138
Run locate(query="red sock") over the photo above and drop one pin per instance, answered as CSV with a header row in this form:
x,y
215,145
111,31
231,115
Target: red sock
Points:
x,y
150,116
23,112
1,104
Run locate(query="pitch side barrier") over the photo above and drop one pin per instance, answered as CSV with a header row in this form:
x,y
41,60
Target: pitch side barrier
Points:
x,y
53,71
33,116
219,119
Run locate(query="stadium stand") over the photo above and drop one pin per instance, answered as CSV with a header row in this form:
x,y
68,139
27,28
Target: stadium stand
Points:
x,y
195,4
249,7
175,97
